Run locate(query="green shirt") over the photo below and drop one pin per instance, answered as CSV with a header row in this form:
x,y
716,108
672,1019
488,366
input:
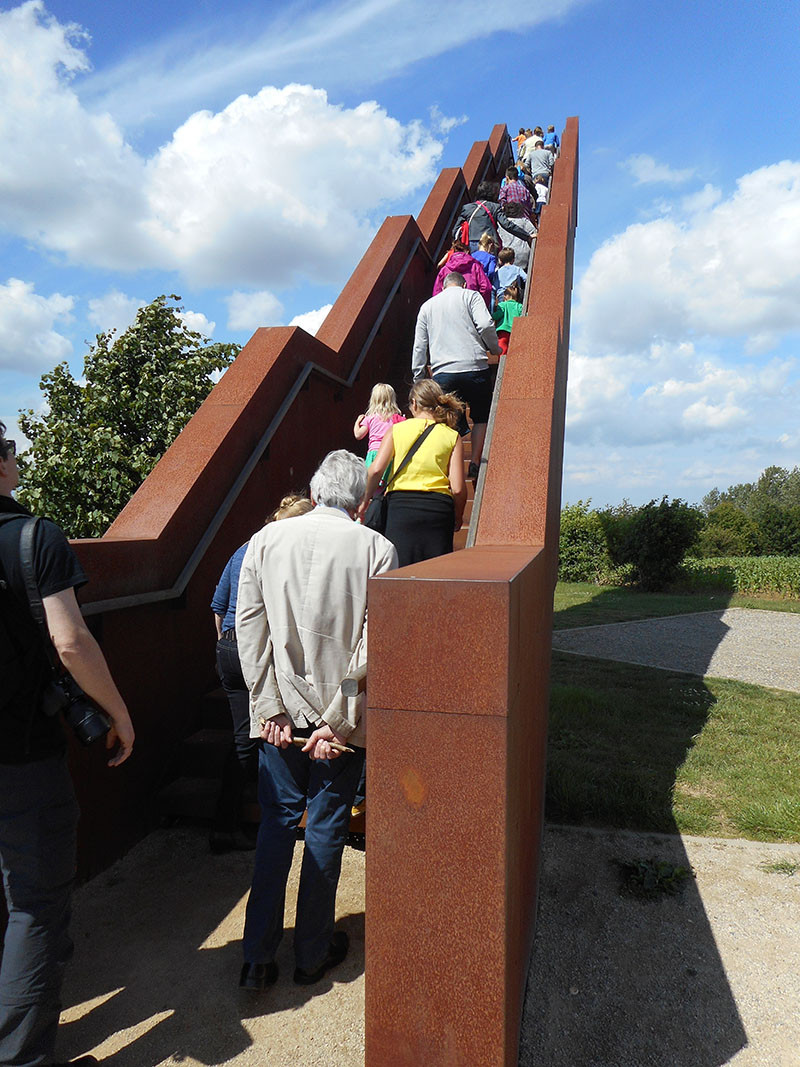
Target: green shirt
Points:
x,y
505,313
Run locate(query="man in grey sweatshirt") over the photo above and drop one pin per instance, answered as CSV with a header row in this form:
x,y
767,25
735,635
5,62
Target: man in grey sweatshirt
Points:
x,y
454,333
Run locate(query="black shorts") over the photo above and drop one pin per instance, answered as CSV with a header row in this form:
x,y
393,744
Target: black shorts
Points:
x,y
475,388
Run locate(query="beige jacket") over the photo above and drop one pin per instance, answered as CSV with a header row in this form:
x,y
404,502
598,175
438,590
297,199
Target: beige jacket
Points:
x,y
301,617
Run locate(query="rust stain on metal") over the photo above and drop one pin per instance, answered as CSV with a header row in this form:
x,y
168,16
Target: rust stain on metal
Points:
x,y
415,789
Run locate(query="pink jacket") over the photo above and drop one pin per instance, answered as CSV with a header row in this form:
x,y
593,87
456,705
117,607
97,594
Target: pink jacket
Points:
x,y
474,275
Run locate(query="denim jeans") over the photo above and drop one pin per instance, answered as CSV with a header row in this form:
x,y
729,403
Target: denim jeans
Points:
x,y
290,783
38,821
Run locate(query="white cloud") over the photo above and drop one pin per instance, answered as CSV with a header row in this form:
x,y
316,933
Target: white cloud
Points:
x,y
298,200
197,321
67,178
312,320
704,200
443,124
645,170
731,270
114,311
673,395
248,311
28,340
343,42
275,187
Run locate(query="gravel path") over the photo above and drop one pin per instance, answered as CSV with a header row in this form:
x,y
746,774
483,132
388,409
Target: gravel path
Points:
x,y
706,978
761,647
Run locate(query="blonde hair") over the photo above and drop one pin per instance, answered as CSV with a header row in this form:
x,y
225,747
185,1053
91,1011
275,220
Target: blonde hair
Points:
x,y
383,401
291,505
487,242
446,407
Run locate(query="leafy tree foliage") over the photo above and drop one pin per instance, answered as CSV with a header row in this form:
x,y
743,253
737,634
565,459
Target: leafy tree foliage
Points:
x,y
728,532
582,549
99,438
768,521
656,538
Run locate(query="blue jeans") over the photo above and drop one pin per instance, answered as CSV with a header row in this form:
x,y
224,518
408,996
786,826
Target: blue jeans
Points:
x,y
38,820
290,783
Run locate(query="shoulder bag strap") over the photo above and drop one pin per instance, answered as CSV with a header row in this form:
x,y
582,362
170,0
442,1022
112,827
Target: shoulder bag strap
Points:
x,y
488,212
26,536
410,454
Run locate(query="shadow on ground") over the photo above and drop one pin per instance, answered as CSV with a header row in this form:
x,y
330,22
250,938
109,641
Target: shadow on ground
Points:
x,y
617,981
158,954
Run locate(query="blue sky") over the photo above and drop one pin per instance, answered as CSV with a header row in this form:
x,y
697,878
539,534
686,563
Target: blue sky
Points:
x,y
243,155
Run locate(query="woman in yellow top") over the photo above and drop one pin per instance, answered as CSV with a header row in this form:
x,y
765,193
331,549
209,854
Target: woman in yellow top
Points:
x,y
425,502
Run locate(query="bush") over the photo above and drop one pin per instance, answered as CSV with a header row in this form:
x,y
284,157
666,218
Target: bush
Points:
x,y
748,574
582,549
655,540
727,532
778,530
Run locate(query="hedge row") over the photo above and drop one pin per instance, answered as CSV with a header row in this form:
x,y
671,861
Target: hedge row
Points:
x,y
745,574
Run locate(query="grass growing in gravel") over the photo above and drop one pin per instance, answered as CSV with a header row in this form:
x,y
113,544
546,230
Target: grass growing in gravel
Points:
x,y
585,604
644,749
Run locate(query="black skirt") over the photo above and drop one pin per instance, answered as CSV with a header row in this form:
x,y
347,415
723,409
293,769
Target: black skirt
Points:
x,y
420,525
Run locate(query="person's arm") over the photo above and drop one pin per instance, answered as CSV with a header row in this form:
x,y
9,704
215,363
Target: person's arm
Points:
x,y
254,642
82,657
484,324
483,282
511,226
463,216
360,429
220,602
455,473
419,357
379,464
337,723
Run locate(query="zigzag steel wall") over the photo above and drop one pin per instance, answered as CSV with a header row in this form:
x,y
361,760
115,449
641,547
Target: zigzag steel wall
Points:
x,y
286,401
459,646
458,685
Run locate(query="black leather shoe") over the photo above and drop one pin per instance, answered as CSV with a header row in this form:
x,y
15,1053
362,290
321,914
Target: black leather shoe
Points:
x,y
337,950
258,976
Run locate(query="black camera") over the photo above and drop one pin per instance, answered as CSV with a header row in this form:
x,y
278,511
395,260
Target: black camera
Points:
x,y
65,695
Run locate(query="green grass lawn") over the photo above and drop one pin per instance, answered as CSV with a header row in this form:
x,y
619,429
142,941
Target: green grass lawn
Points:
x,y
584,604
645,749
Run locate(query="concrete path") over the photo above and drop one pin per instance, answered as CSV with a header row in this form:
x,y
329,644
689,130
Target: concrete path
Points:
x,y
762,647
709,978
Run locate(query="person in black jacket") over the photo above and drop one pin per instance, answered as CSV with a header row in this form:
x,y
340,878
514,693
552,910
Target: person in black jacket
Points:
x,y
38,811
484,214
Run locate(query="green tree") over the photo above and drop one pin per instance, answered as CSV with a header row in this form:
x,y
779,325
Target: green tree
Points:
x,y
582,549
778,529
98,439
657,537
728,531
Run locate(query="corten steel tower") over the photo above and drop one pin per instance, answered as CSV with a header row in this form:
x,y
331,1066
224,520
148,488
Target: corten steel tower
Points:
x,y
459,647
458,681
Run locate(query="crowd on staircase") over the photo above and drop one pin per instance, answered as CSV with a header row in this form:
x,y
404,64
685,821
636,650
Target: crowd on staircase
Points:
x,y
291,620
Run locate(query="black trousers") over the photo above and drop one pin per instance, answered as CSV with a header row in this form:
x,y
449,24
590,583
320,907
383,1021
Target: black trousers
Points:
x,y
242,761
420,525
38,822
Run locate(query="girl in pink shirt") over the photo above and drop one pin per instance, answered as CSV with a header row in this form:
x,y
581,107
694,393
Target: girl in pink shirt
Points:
x,y
378,419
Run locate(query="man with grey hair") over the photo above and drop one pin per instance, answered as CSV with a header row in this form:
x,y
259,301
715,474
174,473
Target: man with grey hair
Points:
x,y
301,627
454,332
